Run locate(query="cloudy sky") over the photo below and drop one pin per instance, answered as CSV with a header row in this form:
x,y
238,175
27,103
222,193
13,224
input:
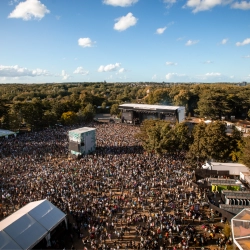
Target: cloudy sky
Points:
x,y
124,40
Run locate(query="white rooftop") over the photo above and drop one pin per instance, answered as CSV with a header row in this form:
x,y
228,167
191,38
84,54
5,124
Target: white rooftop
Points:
x,y
4,132
241,229
149,107
82,130
233,168
27,226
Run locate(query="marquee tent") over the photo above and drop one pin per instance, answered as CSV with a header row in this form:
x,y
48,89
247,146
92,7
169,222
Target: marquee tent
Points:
x,y
241,229
29,225
6,133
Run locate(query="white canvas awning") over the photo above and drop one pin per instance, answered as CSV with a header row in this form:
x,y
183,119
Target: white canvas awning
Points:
x,y
241,229
4,132
29,225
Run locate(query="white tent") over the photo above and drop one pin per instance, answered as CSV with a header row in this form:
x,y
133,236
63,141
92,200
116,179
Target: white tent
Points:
x,y
6,133
29,225
241,229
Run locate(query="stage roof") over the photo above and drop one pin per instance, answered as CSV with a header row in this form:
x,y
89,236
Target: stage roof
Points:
x,y
149,107
82,130
27,226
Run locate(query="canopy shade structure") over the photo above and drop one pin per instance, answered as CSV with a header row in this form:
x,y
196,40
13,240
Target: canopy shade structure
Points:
x,y
4,132
241,229
29,225
6,242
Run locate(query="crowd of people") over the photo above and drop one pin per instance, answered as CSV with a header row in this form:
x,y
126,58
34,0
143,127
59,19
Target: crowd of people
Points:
x,y
119,197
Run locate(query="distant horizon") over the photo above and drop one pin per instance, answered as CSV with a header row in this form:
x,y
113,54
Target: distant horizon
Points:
x,y
124,41
129,82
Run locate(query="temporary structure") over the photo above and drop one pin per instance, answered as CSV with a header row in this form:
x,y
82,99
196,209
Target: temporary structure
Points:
x,y
29,225
241,229
6,133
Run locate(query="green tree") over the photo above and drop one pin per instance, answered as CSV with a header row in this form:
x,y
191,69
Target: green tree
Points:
x,y
114,110
236,141
89,112
182,137
49,118
217,141
213,104
197,150
245,156
153,135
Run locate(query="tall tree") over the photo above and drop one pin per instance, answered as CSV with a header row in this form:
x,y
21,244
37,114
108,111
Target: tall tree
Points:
x,y
114,110
197,150
217,141
89,112
245,156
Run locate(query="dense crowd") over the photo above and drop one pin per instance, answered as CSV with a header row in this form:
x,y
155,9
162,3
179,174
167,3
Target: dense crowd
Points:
x,y
119,197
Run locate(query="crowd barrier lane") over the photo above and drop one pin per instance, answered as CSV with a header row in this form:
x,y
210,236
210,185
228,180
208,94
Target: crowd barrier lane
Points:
x,y
223,212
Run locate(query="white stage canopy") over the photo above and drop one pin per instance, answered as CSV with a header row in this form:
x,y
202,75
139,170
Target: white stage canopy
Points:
x,y
29,225
241,229
6,133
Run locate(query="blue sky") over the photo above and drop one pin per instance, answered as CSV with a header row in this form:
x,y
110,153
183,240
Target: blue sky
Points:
x,y
124,41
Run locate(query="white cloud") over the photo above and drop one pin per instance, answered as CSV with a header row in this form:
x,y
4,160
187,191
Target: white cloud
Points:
x,y
224,41
109,67
16,71
171,75
213,74
245,42
180,38
125,22
171,63
154,77
169,3
160,31
190,42
248,56
121,70
30,9
243,5
85,42
81,71
208,62
65,76
121,3
203,5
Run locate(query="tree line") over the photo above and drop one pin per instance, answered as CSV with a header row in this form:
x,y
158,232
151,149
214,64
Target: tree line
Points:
x,y
45,103
204,142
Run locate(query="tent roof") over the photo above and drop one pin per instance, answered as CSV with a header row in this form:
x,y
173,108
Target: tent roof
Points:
x,y
4,132
6,242
241,229
27,226
243,215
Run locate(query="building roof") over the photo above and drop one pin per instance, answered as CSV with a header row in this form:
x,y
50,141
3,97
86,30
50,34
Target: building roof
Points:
x,y
149,107
241,229
233,168
82,130
4,132
28,225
